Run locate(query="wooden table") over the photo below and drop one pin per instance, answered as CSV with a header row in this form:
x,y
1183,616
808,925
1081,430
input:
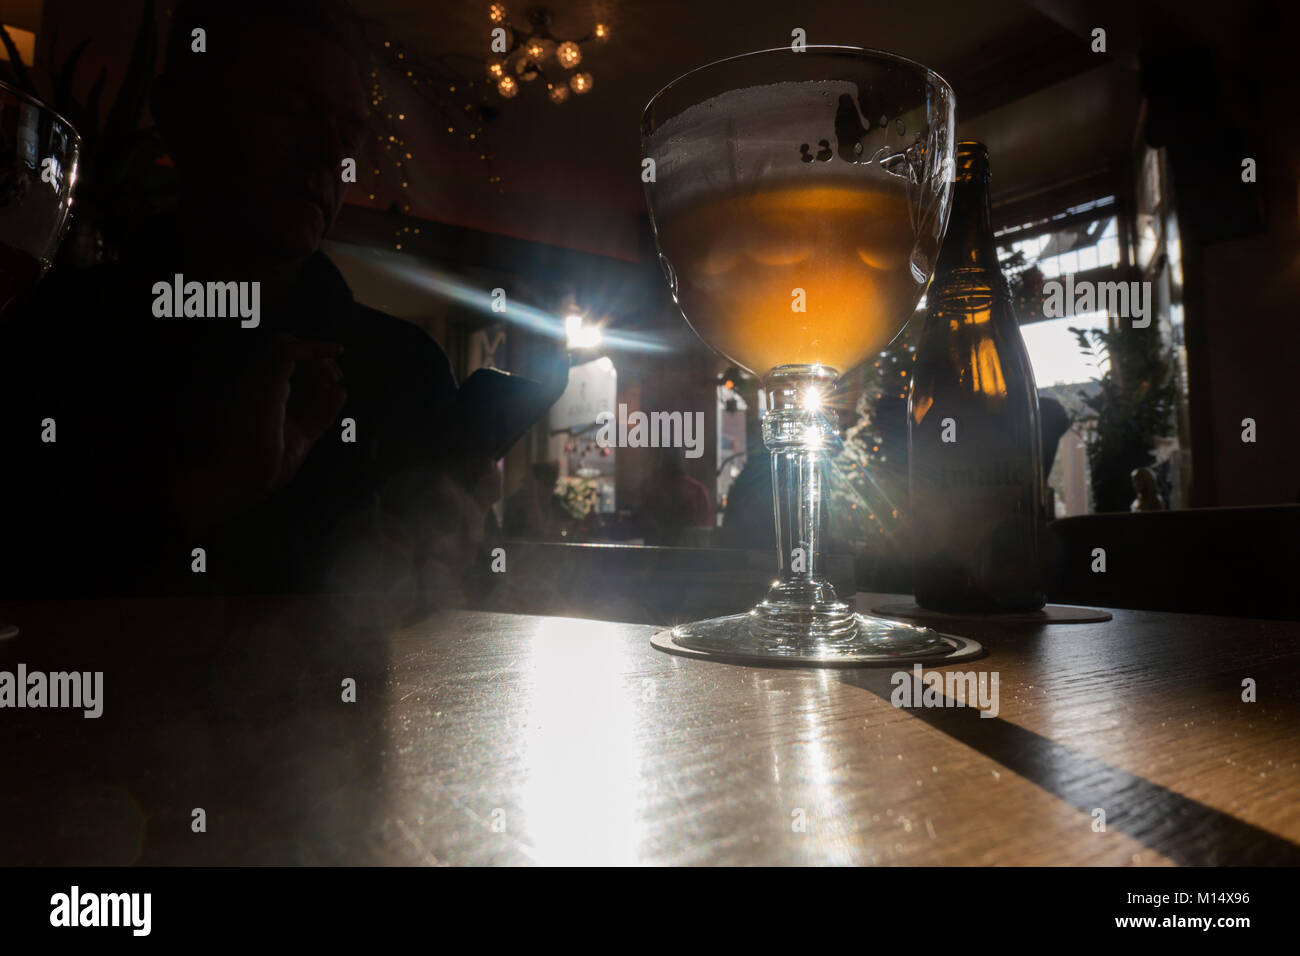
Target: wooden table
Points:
x,y
483,738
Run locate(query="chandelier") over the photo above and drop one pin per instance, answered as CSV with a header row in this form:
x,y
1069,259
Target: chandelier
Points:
x,y
524,54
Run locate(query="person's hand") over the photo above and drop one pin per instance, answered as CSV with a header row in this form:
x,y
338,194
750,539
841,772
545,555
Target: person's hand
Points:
x,y
301,396
552,364
294,395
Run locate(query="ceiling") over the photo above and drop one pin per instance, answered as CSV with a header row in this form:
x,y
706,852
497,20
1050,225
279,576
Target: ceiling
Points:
x,y
1027,83
1048,107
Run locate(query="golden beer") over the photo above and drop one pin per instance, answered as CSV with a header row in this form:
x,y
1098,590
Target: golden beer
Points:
x,y
795,274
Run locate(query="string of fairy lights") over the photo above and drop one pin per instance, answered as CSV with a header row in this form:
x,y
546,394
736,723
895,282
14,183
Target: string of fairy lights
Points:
x,y
459,105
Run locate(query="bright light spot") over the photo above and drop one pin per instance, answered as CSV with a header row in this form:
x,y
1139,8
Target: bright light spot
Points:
x,y
812,399
583,781
1054,352
579,334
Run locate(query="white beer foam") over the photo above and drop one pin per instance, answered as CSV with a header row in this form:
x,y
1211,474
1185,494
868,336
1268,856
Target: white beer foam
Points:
x,y
741,138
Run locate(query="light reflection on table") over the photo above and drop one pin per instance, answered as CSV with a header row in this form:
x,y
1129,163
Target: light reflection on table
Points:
x,y
582,750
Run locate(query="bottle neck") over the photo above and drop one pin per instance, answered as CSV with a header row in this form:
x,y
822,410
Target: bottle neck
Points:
x,y
969,257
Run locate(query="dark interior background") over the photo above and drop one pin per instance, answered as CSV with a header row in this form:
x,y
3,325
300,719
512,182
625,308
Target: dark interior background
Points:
x,y
546,198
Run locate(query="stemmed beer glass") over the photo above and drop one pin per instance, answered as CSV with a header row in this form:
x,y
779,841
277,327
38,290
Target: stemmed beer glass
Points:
x,y
798,199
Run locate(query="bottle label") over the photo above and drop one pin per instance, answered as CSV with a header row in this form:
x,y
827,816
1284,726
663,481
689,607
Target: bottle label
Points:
x,y
974,510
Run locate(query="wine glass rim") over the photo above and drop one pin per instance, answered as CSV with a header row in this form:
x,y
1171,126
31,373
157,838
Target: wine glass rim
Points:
x,y
865,52
41,104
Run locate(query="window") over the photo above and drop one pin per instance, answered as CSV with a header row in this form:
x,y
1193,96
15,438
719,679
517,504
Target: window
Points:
x,y
1085,244
1084,238
1054,351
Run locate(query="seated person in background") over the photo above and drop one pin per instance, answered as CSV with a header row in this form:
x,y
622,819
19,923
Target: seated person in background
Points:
x,y
674,501
486,492
748,520
1054,422
535,511
301,452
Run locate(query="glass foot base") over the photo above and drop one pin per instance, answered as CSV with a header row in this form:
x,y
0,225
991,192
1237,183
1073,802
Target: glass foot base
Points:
x,y
854,641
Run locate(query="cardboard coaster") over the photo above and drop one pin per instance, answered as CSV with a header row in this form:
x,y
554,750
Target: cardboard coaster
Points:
x,y
1049,614
958,649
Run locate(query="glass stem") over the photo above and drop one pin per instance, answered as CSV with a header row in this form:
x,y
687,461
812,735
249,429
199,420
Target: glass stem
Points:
x,y
796,484
797,431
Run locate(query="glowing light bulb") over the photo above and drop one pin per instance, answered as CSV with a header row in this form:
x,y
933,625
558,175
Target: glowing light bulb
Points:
x,y
581,82
580,335
569,54
508,87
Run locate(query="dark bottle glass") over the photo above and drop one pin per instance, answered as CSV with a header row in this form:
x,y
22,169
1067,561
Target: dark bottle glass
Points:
x,y
973,432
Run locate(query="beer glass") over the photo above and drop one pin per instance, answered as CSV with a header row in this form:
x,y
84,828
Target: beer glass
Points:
x,y
798,200
38,168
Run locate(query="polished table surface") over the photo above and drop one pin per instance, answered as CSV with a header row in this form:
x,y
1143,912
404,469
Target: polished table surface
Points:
x,y
483,738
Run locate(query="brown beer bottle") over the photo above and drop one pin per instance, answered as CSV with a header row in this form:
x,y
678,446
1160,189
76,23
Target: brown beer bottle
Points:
x,y
973,433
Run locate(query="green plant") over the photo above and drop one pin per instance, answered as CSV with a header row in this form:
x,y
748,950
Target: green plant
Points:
x,y
866,477
578,496
1131,407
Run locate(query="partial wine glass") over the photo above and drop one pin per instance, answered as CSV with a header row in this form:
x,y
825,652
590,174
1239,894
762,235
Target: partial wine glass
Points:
x,y
38,169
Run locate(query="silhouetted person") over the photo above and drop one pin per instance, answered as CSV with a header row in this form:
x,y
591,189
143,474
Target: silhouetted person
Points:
x,y
306,452
748,520
1055,422
674,501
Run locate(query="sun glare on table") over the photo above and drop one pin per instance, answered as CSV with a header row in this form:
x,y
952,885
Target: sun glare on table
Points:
x,y
580,802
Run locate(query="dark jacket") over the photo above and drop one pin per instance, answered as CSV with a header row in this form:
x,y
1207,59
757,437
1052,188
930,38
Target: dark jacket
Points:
x,y
135,398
